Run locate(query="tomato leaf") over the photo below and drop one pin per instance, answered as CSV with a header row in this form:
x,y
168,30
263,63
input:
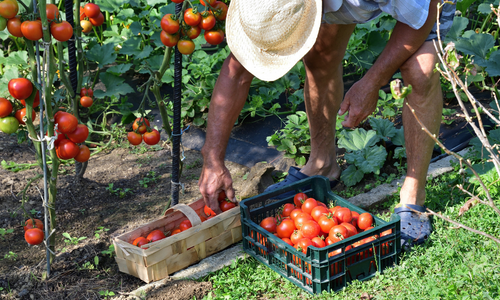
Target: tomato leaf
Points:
x,y
114,86
103,55
357,139
351,176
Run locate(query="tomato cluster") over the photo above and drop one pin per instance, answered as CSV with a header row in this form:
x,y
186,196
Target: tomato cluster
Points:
x,y
142,131
69,133
10,118
308,222
180,29
90,16
86,95
33,234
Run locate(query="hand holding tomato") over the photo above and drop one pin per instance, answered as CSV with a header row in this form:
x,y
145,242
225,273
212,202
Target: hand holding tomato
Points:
x,y
214,178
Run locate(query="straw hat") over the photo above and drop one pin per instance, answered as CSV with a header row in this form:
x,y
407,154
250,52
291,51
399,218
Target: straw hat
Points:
x,y
268,37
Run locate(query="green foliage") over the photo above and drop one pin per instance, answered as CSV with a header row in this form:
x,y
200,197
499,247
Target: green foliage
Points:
x,y
150,178
100,230
11,256
294,138
119,191
72,240
4,231
110,251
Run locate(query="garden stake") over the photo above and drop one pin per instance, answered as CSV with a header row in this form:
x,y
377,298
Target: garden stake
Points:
x,y
176,132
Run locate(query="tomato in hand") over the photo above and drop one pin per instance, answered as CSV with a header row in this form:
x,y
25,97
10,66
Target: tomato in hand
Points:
x,y
140,241
214,37
83,154
226,205
8,9
185,225
169,25
32,30
208,211
14,26
20,88
365,220
9,124
5,107
20,114
185,47
86,26
34,236
152,138
285,228
80,134
155,235
86,101
299,198
66,122
52,12
91,10
191,17
169,40
29,224
269,224
61,31
134,138
310,229
207,22
97,21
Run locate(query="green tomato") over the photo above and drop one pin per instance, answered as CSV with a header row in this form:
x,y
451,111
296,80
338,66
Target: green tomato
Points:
x,y
9,124
3,23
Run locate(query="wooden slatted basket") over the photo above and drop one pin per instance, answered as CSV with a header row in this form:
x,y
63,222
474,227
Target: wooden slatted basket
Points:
x,y
157,260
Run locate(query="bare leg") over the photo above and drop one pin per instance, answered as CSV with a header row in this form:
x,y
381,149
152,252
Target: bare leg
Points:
x,y
323,93
427,100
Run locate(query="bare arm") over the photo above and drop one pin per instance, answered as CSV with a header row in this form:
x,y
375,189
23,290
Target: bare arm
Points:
x,y
228,99
361,100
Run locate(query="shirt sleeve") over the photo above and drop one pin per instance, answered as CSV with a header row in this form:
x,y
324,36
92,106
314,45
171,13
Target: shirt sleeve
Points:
x,y
413,13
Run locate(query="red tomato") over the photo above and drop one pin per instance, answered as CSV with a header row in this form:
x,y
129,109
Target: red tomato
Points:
x,y
140,125
288,241
86,101
220,10
134,138
34,236
296,236
351,229
365,220
169,25
226,205
83,154
303,244
185,225
32,30
333,209
91,10
61,31
355,216
295,213
21,113
86,26
208,211
285,228
14,25
5,107
86,92
152,138
36,102
191,18
210,2
318,242
299,198
79,135
60,137
97,21
310,229
67,150
193,32
8,9
66,122
29,224
338,231
308,205
20,88
177,1
343,215
222,196
140,241
52,12
207,22
269,224
176,231
326,222
301,219
169,40
214,37
155,235
287,209
318,212
185,47
387,232
82,14
322,204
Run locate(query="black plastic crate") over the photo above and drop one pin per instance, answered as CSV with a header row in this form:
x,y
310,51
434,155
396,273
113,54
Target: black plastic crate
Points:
x,y
322,269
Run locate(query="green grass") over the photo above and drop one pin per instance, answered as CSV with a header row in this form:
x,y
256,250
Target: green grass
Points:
x,y
453,264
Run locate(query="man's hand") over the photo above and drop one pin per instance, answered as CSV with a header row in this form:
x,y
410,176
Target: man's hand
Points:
x,y
360,101
213,180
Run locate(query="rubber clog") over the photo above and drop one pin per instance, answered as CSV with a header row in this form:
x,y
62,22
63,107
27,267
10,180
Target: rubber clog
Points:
x,y
294,175
415,227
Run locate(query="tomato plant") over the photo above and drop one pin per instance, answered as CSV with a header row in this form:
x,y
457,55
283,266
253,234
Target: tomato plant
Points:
x,y
210,2
185,46
192,17
220,10
193,32
91,10
66,122
86,26
52,11
34,236
67,149
214,37
86,101
97,21
141,125
168,39
3,23
207,21
87,91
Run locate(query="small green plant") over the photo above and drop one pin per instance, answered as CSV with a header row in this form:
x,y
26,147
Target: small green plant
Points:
x,y
15,167
193,165
72,240
110,251
119,191
10,256
87,266
4,231
448,112
100,230
387,106
151,177
106,294
33,211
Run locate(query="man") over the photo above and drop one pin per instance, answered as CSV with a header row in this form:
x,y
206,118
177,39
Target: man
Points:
x,y
267,38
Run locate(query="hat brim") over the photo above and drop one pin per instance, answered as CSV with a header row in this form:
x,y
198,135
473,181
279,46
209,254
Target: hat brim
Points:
x,y
269,65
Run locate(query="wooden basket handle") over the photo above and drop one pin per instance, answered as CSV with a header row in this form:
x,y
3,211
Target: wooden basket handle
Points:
x,y
187,211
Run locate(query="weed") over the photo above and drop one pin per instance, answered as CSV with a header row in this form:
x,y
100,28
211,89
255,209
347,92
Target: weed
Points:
x,y
119,191
195,164
106,294
100,230
11,256
151,177
110,251
72,240
4,231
